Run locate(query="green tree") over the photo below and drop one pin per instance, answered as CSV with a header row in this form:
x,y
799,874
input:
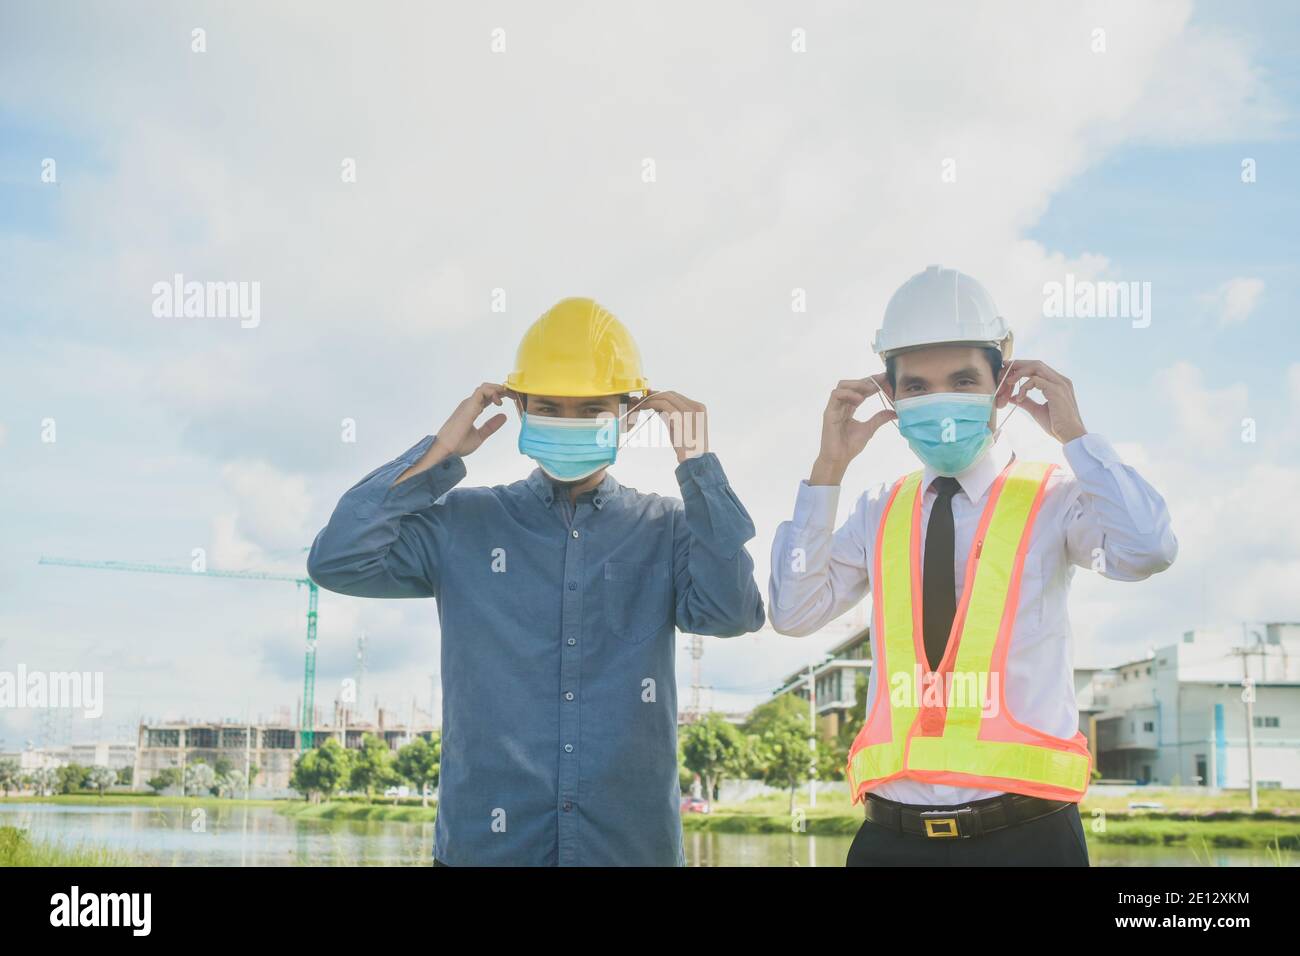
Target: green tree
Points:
x,y
713,748
229,784
167,777
782,754
420,763
45,780
200,778
72,777
774,711
832,755
9,778
101,778
372,766
322,771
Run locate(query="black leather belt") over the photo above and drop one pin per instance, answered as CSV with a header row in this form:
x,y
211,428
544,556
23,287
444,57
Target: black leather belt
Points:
x,y
966,820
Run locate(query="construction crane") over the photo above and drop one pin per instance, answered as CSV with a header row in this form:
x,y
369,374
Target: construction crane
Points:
x,y
308,720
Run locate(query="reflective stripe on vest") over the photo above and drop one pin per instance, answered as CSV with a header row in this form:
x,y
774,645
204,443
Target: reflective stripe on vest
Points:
x,y
956,728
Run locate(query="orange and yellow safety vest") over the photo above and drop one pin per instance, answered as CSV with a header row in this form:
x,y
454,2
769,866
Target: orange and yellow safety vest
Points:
x,y
952,726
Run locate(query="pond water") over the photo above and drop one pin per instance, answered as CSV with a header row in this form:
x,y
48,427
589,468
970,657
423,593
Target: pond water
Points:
x,y
238,835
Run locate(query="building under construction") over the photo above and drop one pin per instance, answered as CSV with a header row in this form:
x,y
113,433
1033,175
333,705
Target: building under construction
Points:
x,y
272,748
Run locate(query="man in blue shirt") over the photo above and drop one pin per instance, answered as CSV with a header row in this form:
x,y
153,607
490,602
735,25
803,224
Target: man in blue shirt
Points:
x,y
558,596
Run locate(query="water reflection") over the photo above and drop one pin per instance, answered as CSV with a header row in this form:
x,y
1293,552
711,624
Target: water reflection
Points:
x,y
237,835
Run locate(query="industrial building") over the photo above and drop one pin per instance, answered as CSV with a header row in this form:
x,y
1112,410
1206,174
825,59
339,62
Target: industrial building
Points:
x,y
1178,715
99,754
272,748
1174,717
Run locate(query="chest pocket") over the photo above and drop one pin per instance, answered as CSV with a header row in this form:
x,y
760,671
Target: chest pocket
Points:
x,y
637,599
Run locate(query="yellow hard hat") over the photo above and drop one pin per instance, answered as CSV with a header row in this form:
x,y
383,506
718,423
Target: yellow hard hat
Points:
x,y
576,349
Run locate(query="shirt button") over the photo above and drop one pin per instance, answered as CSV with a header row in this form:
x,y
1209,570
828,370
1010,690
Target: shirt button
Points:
x,y
567,806
572,641
575,532
573,585
568,748
568,695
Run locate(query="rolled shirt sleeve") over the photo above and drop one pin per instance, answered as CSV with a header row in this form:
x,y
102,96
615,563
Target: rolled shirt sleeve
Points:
x,y
381,540
818,573
1118,524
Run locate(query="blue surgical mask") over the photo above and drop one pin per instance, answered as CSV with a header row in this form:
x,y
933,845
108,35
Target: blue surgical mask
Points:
x,y
949,431
569,449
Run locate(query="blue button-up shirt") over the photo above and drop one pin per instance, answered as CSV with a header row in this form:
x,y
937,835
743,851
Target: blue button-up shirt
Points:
x,y
559,740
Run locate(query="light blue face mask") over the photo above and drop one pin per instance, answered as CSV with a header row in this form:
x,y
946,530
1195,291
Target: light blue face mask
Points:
x,y
949,431
569,449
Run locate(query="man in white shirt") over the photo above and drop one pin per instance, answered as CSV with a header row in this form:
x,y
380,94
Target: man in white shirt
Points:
x,y
944,348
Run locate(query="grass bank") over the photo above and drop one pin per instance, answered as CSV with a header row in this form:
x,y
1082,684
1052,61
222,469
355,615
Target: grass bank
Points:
x,y
356,810
1197,822
137,800
18,849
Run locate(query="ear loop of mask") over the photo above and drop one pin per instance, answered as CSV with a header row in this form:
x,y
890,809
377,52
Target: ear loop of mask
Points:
x,y
622,420
888,404
1014,406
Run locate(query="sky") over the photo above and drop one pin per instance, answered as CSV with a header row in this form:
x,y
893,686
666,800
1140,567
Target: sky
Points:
x,y
385,176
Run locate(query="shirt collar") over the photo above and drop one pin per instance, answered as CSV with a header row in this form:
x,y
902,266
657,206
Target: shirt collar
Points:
x,y
546,488
976,479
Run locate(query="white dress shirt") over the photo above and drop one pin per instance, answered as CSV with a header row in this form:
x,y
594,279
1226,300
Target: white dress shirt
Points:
x,y
1104,516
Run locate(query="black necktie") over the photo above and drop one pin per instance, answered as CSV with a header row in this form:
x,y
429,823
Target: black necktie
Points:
x,y
938,584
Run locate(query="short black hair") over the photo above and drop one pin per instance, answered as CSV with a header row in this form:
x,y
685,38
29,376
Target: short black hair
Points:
x,y
992,353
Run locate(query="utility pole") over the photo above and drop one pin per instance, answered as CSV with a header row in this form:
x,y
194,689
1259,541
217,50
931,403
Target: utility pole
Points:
x,y
697,652
361,673
1248,698
248,745
812,737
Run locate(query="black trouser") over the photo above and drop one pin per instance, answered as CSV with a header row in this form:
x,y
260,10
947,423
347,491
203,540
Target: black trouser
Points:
x,y
1053,840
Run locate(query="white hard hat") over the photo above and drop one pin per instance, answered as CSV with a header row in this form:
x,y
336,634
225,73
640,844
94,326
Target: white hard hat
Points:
x,y
941,307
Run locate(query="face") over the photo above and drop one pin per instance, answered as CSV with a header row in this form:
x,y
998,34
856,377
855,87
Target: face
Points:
x,y
563,406
943,368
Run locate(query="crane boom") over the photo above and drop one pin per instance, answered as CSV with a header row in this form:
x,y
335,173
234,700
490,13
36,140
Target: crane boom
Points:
x,y
307,718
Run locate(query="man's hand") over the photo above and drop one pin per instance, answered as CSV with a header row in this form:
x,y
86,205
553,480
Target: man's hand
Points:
x,y
843,436
459,435
1059,415
688,422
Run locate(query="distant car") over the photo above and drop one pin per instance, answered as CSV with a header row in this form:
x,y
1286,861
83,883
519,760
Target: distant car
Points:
x,y
695,805
397,792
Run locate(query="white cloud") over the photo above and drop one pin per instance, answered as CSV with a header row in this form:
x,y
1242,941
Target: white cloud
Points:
x,y
1233,301
522,171
1202,417
273,507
